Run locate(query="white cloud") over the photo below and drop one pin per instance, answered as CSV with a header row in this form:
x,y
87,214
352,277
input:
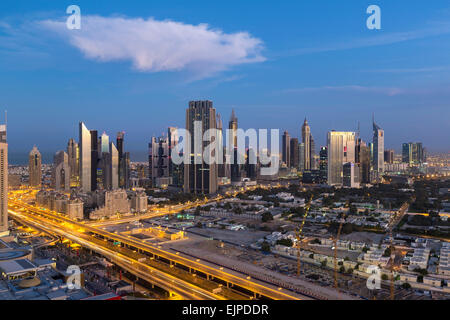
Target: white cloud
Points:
x,y
154,46
350,88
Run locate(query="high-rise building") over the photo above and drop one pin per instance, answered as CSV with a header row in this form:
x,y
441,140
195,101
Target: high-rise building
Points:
x,y
378,149
323,163
306,140
234,167
362,158
122,163
35,168
159,162
73,154
286,152
104,143
250,166
350,175
389,156
94,160
312,153
413,153
199,176
341,149
175,170
3,182
85,163
114,154
61,172
301,156
294,153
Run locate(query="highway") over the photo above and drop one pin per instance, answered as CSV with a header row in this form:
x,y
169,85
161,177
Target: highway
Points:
x,y
152,275
64,226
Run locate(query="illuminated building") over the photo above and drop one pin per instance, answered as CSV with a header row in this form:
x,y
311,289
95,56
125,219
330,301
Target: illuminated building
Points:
x,y
378,149
85,158
341,149
200,177
61,171
73,154
3,182
35,168
286,152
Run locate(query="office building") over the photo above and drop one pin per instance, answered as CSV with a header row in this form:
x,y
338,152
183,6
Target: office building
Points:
x,y
389,156
94,160
378,149
286,152
413,153
85,158
350,175
200,177
73,154
35,168
341,149
3,182
294,153
323,163
362,158
61,172
159,162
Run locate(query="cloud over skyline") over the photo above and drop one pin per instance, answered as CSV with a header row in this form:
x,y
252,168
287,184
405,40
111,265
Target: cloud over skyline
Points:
x,y
155,46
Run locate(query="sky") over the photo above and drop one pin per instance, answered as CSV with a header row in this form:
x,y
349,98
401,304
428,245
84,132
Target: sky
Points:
x,y
134,66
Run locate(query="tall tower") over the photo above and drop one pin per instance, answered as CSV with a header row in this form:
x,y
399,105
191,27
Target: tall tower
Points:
x,y
200,177
35,168
341,149
3,182
378,148
61,171
233,126
73,154
286,145
306,140
85,158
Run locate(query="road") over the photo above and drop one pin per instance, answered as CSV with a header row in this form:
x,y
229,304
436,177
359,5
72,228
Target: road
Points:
x,y
73,230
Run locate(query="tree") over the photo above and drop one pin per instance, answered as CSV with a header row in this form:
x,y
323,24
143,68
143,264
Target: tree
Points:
x,y
384,277
406,285
265,247
285,242
266,217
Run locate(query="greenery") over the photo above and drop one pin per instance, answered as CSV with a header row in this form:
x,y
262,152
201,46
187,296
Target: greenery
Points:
x,y
265,247
266,217
285,242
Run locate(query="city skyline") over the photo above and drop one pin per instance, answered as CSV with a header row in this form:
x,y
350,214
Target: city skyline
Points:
x,y
333,76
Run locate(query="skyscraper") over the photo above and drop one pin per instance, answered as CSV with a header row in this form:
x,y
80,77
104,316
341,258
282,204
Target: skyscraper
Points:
x,y
389,156
35,168
175,170
286,145
114,153
159,161
61,172
3,182
122,163
94,160
200,177
413,153
378,149
294,153
341,149
85,158
323,163
104,143
234,167
73,154
362,158
306,140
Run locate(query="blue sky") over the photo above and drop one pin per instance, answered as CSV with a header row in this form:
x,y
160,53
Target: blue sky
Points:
x,y
134,65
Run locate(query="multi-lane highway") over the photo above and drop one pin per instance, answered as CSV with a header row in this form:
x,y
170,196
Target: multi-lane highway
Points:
x,y
83,234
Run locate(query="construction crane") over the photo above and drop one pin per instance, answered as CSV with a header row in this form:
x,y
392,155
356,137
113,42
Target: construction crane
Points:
x,y
336,239
299,233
